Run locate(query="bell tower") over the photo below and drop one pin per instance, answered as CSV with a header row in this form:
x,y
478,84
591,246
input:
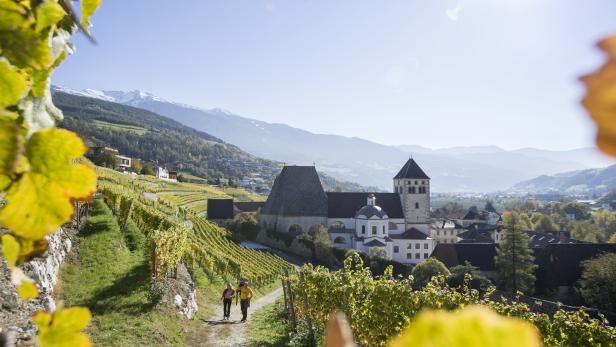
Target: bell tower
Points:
x,y
413,186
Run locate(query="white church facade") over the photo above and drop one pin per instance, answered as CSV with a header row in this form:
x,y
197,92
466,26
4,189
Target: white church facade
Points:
x,y
396,224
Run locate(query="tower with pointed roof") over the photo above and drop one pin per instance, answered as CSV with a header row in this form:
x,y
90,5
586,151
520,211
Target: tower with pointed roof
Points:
x,y
413,186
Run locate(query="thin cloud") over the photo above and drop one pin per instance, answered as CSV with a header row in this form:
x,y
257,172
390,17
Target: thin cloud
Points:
x,y
454,13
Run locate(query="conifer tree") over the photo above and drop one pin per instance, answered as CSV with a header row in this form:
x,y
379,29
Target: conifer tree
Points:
x,y
514,259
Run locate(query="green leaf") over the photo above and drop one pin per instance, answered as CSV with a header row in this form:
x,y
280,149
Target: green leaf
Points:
x,y
63,329
40,201
12,85
26,48
12,15
10,249
47,14
87,9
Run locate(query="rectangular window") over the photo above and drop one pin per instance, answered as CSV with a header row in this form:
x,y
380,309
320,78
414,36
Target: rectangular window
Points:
x,y
415,182
438,233
409,256
425,255
425,246
374,230
452,233
383,229
410,246
416,205
417,255
363,229
417,246
396,249
412,190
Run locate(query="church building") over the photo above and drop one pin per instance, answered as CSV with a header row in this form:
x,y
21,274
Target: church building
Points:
x,y
394,223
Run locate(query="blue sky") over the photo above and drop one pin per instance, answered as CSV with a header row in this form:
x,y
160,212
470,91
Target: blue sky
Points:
x,y
436,73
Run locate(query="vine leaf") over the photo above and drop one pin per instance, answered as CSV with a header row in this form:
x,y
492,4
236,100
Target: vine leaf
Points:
x,y
48,13
27,290
10,146
10,249
12,85
470,326
63,328
87,8
600,98
40,201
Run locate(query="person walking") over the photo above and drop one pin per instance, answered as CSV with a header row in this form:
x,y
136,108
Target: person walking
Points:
x,y
227,299
245,294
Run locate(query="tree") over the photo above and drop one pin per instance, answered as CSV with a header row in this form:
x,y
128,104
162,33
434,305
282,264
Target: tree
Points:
x,y
514,259
104,158
378,252
580,211
598,282
613,238
587,231
423,272
545,223
606,222
490,207
244,226
147,169
458,273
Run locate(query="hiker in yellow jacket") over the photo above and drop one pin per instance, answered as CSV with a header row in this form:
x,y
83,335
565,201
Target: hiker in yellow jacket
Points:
x,y
245,294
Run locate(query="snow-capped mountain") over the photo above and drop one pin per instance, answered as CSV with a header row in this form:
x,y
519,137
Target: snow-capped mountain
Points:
x,y
132,98
478,168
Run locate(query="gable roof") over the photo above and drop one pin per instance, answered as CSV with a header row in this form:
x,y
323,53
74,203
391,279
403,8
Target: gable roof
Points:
x,y
345,204
410,234
219,208
375,243
297,191
480,255
544,238
411,170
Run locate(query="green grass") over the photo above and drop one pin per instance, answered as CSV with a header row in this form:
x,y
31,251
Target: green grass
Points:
x,y
121,127
112,282
268,327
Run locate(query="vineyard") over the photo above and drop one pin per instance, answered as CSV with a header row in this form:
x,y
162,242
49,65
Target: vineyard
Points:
x,y
379,309
181,235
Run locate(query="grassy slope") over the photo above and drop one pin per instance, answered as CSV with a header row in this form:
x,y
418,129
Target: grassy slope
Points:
x,y
106,276
113,282
269,328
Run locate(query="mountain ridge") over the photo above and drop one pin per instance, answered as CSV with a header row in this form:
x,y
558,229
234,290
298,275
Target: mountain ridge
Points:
x,y
470,168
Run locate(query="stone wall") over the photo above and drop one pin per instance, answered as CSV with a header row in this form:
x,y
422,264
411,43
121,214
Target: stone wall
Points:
x,y
182,292
15,315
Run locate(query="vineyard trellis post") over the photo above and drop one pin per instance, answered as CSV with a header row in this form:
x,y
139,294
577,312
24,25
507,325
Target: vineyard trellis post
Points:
x,y
291,312
302,285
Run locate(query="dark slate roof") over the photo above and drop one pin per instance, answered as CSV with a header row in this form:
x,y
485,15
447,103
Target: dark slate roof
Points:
x,y
297,191
370,211
344,205
375,243
411,170
410,234
544,238
480,255
563,261
248,206
219,208
470,215
474,235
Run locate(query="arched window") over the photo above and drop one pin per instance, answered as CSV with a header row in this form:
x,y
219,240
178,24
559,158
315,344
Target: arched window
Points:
x,y
339,240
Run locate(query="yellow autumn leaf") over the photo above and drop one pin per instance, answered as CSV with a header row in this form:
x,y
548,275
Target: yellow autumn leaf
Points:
x,y
40,201
63,328
600,98
27,290
87,9
10,249
48,13
467,327
12,84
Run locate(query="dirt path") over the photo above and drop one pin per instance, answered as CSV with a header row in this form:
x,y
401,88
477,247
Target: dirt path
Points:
x,y
232,333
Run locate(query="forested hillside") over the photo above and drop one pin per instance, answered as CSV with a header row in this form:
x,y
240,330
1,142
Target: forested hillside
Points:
x,y
591,181
148,136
